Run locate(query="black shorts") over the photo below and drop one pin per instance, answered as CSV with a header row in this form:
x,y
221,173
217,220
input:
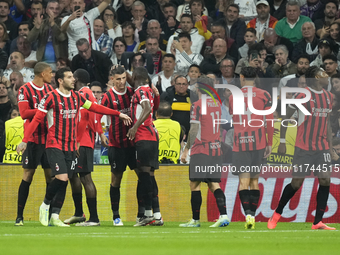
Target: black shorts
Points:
x,y
34,155
85,160
248,162
120,158
307,162
147,154
199,165
62,162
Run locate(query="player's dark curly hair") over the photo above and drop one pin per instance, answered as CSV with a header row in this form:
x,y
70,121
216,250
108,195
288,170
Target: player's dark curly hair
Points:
x,y
312,71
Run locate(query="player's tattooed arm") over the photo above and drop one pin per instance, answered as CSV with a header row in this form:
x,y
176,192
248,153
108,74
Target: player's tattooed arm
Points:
x,y
334,156
191,139
289,113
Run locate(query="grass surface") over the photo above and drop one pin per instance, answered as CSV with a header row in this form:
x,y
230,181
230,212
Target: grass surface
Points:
x,y
287,238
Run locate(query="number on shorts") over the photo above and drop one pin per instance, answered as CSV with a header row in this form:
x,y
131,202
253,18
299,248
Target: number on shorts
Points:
x,y
327,157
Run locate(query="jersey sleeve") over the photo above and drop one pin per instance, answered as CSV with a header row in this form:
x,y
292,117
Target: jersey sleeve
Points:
x,y
195,113
46,103
22,95
142,96
267,100
297,96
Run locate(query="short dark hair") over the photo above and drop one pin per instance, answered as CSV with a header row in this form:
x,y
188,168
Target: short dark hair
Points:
x,y
118,70
60,74
119,39
184,35
38,2
24,23
40,67
257,47
331,57
251,30
334,2
141,76
194,65
336,141
82,76
185,15
169,55
304,56
168,5
16,51
129,23
164,109
233,5
196,1
249,72
218,23
96,83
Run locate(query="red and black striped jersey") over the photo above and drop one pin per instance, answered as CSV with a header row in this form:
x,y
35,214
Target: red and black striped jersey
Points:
x,y
312,129
208,137
147,130
62,117
89,136
249,129
29,97
119,101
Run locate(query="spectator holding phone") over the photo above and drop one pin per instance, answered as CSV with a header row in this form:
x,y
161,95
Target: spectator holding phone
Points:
x,y
80,25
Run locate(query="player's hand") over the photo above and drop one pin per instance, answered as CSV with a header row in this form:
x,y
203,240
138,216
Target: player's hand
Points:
x,y
131,133
126,119
155,90
184,156
267,151
104,140
282,148
21,147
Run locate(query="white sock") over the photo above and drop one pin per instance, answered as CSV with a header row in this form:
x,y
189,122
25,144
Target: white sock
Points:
x,y
148,213
222,216
45,206
157,215
54,216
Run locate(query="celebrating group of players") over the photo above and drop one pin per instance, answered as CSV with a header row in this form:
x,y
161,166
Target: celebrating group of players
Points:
x,y
60,126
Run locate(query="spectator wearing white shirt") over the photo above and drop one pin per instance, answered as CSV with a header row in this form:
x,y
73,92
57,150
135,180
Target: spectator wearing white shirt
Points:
x,y
163,79
187,25
80,25
184,56
17,63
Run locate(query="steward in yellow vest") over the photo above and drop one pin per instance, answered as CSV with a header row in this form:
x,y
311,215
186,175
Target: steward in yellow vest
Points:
x,y
170,135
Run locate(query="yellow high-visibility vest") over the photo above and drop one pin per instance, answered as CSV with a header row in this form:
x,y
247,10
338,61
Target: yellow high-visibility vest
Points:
x,y
14,129
169,132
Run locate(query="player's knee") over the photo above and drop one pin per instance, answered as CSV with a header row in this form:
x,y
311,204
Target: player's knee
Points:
x,y
213,186
28,175
254,183
195,186
325,181
116,179
297,183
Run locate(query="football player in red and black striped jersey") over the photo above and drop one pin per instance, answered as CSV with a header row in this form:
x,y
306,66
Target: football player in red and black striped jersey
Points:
x,y
29,97
313,147
85,156
252,142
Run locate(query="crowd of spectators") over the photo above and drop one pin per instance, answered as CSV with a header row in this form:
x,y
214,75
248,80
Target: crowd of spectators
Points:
x,y
175,40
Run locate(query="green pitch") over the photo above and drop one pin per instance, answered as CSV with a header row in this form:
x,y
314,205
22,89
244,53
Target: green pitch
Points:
x,y
288,238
